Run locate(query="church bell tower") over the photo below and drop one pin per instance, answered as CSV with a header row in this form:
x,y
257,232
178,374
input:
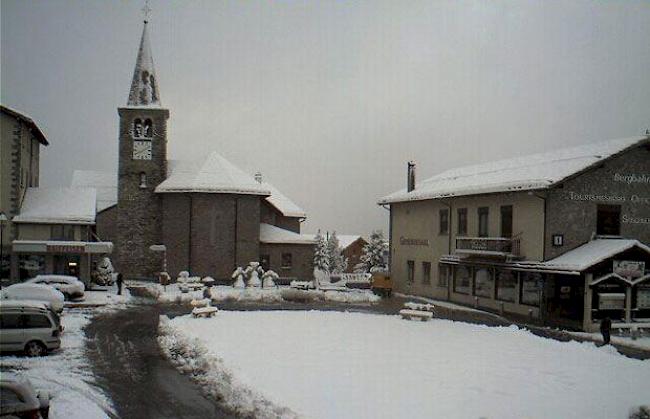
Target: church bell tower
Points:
x,y
142,166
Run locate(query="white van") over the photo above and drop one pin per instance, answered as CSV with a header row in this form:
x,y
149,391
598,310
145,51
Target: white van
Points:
x,y
29,326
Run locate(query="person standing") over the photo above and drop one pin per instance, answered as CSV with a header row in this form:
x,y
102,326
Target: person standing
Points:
x,y
120,281
606,329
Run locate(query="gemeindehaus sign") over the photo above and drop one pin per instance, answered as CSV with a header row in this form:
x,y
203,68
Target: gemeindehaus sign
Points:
x,y
407,241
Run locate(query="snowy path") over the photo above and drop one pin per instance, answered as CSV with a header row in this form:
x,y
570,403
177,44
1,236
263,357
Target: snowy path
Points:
x,y
352,365
66,373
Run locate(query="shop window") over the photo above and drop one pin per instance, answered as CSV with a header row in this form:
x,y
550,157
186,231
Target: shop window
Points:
x,y
287,260
30,265
483,221
531,288
410,265
506,285
444,221
506,221
462,279
462,221
426,272
265,262
483,283
443,275
608,222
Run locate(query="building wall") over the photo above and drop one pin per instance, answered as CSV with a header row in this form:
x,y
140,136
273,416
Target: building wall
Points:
x,y
139,210
210,234
106,226
28,231
269,215
302,256
420,220
575,217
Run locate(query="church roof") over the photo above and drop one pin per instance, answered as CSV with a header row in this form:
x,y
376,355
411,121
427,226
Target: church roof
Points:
x,y
271,234
58,206
28,121
211,174
283,204
105,183
144,86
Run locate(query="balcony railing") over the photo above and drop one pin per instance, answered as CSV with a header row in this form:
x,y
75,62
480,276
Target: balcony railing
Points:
x,y
498,246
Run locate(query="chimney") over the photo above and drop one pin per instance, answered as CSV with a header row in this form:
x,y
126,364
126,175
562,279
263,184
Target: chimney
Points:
x,y
258,177
410,176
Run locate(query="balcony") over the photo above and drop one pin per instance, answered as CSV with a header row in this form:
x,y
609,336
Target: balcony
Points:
x,y
488,246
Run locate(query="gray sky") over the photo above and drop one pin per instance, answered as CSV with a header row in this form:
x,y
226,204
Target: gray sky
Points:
x,y
329,99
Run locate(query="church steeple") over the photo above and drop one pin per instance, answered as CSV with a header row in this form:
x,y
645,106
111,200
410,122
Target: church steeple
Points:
x,y
144,86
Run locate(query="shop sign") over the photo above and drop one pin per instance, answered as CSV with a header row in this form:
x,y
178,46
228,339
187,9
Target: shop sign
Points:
x,y
65,248
629,268
404,241
611,301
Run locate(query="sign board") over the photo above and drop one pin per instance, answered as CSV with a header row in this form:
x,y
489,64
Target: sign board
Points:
x,y
65,248
629,268
611,301
643,296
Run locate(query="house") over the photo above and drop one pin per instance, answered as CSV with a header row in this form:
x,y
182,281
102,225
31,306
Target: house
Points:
x,y
559,238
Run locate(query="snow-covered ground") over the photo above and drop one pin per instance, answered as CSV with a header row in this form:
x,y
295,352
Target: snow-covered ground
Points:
x,y
354,365
102,298
642,342
66,373
171,293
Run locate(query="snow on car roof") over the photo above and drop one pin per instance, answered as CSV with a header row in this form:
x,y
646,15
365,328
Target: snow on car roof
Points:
x,y
275,235
536,171
58,205
211,174
104,182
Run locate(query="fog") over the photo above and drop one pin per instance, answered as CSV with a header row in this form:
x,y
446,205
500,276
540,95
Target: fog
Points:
x,y
330,99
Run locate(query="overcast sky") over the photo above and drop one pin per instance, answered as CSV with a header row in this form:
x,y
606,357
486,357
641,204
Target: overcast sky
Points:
x,y
330,99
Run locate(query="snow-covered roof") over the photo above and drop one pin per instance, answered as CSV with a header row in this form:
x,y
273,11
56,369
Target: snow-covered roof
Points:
x,y
27,120
283,204
275,235
537,171
211,174
144,90
591,253
58,206
104,182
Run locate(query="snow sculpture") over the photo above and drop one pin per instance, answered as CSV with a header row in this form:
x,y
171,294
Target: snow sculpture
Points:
x,y
320,277
238,276
105,272
253,275
269,278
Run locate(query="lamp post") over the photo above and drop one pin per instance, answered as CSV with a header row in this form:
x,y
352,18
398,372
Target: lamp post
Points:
x,y
3,218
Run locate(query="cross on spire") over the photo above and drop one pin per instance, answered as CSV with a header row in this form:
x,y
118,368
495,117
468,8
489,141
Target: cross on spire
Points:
x,y
146,11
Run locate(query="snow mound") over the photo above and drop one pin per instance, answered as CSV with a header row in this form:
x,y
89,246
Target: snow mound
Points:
x,y
191,357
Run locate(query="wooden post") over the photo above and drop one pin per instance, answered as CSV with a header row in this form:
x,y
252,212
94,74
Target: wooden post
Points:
x,y
586,316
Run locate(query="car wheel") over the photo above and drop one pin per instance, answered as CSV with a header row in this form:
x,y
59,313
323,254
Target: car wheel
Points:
x,y
35,348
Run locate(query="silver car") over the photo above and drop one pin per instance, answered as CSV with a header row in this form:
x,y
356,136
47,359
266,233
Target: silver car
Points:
x,y
19,399
29,326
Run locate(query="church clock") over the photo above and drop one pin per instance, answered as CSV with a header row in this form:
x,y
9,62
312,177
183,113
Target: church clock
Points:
x,y
142,150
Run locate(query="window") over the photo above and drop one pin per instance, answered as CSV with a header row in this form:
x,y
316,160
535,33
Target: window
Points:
x,y
462,221
483,283
410,265
531,288
143,180
608,221
506,221
56,232
506,284
265,262
148,128
10,321
137,128
462,279
36,321
483,221
287,261
443,276
426,272
444,221
68,232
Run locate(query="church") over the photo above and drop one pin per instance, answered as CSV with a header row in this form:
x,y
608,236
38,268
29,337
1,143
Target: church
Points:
x,y
205,216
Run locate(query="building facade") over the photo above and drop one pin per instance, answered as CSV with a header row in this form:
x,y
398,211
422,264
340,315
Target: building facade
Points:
x,y
508,236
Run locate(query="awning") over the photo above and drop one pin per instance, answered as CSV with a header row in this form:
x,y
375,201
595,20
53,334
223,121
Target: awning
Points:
x,y
66,247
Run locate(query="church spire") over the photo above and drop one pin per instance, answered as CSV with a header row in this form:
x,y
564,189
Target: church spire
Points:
x,y
144,86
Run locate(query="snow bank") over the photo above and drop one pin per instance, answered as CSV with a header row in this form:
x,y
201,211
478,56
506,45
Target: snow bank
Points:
x,y
353,365
191,357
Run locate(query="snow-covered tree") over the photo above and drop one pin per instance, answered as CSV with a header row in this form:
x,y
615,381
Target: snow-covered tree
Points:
x,y
321,257
336,261
373,254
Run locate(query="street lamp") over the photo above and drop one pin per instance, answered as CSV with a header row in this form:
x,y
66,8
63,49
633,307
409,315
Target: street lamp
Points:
x,y
3,218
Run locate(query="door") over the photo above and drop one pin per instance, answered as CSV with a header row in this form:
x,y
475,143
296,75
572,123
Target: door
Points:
x,y
11,332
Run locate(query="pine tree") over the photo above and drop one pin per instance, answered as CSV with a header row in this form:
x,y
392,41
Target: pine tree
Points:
x,y
336,261
321,259
373,253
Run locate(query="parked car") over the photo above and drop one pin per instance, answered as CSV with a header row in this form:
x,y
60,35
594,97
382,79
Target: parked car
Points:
x,y
70,286
38,292
29,326
20,399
